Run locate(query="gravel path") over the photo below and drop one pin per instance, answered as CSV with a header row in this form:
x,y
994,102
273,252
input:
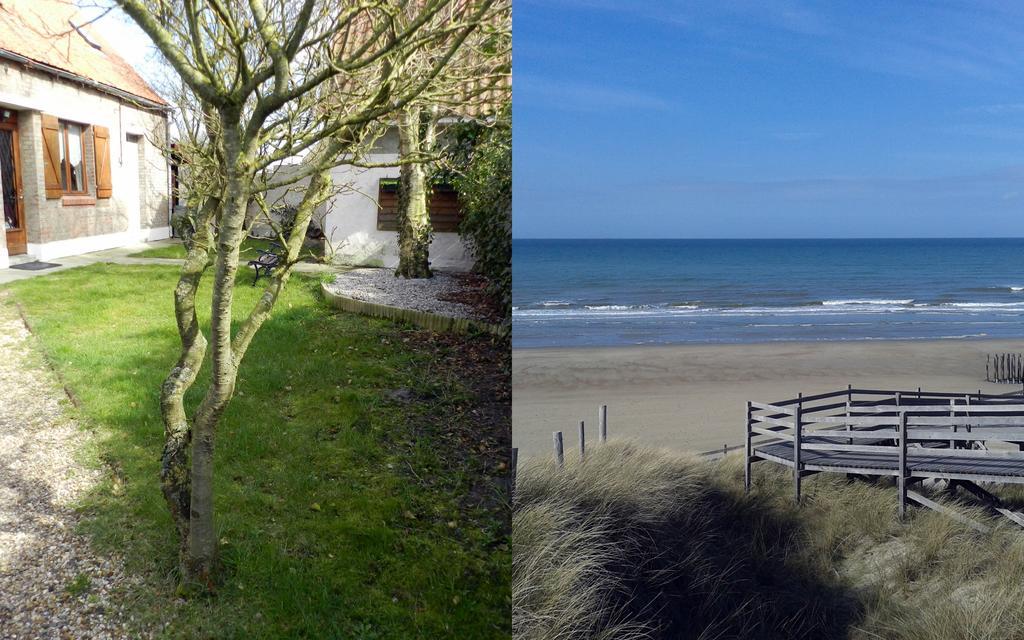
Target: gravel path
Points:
x,y
380,286
52,584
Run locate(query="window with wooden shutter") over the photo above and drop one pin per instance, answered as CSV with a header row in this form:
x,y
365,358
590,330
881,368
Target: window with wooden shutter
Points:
x,y
51,156
387,205
445,212
101,149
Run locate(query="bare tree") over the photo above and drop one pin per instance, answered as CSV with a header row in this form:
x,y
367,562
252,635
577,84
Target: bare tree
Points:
x,y
270,80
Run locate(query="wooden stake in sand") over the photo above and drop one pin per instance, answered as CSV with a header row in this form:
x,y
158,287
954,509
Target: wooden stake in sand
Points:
x,y
602,423
512,470
559,454
583,442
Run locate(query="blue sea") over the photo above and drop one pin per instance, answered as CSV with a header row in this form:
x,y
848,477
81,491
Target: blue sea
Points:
x,y
570,293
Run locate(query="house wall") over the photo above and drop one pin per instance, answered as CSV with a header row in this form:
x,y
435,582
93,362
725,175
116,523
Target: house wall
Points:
x,y
56,228
351,220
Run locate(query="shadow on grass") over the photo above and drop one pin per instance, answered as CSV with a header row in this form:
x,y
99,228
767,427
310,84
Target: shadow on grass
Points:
x,y
730,575
636,543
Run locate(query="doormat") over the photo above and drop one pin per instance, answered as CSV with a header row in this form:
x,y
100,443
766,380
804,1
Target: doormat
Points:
x,y
35,266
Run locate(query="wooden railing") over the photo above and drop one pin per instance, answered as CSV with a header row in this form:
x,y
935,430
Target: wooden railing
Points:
x,y
952,428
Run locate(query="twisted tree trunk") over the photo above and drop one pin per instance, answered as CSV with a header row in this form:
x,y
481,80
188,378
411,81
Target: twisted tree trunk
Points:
x,y
187,472
174,469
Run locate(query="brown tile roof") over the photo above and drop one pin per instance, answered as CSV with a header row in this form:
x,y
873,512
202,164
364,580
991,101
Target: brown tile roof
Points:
x,y
41,31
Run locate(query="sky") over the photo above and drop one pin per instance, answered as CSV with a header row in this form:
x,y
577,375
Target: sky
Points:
x,y
769,118
125,37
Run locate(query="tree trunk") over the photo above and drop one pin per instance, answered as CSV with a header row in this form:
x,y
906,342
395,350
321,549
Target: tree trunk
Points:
x,y
174,468
189,492
413,218
202,542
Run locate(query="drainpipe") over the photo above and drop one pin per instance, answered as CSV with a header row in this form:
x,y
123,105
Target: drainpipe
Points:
x,y
170,177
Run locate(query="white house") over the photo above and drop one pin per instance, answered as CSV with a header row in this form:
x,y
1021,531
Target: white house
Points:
x,y
361,227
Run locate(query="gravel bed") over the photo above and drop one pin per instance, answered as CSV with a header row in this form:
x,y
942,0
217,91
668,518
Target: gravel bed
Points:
x,y
380,286
52,583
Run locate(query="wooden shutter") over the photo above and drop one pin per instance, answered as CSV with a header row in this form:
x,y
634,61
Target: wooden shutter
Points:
x,y
101,149
445,212
51,156
443,206
387,205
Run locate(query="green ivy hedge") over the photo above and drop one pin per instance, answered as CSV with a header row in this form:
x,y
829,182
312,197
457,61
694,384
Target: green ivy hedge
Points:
x,y
481,171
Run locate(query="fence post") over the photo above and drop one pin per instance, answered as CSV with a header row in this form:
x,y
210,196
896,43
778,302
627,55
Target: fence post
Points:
x,y
798,423
899,400
583,442
515,466
967,414
602,423
952,414
559,454
748,451
901,480
849,426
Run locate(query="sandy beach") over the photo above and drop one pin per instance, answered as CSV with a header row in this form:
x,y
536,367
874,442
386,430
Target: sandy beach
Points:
x,y
692,397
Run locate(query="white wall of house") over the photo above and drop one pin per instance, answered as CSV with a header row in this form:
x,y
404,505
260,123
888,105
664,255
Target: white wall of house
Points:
x,y
138,208
351,220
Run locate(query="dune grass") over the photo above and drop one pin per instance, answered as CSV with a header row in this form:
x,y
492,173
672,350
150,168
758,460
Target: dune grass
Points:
x,y
637,543
341,513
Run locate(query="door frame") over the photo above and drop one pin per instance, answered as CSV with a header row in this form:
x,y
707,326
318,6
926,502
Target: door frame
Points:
x,y
20,245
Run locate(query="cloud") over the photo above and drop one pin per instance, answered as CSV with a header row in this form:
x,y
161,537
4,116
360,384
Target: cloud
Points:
x,y
1002,182
796,136
998,132
998,109
583,97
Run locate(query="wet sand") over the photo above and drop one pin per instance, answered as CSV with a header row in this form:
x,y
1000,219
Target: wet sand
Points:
x,y
693,397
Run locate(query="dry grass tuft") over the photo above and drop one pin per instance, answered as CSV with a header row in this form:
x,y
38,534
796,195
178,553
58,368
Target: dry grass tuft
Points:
x,y
638,543
641,543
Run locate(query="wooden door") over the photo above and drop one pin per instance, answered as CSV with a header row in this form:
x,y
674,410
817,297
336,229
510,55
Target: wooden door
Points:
x,y
10,183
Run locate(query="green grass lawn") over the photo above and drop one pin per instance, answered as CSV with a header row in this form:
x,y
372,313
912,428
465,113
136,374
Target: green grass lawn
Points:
x,y
341,511
247,251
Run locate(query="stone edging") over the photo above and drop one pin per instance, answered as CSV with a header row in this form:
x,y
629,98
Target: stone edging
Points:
x,y
425,319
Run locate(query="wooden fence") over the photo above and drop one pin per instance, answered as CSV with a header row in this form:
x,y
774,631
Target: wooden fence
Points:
x,y
1007,368
910,436
559,447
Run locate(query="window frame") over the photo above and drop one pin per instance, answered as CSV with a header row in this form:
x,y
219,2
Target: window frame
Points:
x,y
65,146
